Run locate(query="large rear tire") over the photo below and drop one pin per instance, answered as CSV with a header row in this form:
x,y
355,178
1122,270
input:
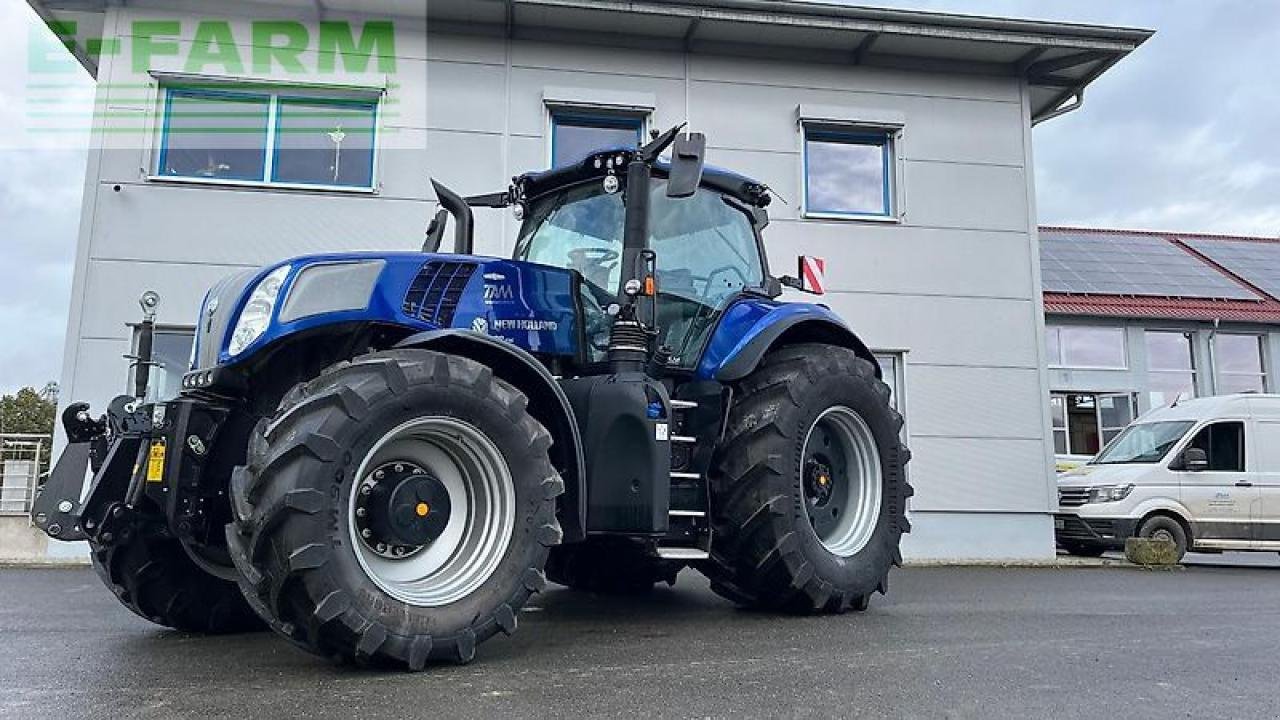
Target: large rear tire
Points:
x,y
808,488
153,576
312,543
610,566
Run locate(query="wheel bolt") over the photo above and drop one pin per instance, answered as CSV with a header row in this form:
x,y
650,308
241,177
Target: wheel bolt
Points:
x,y
366,533
361,512
399,467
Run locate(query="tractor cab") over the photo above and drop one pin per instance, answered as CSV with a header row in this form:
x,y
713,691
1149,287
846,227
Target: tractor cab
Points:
x,y
706,248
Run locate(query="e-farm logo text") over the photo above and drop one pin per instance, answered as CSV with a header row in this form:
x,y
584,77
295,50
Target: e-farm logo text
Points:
x,y
220,47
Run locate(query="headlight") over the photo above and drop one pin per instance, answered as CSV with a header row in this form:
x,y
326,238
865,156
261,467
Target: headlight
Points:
x,y
256,315
1109,493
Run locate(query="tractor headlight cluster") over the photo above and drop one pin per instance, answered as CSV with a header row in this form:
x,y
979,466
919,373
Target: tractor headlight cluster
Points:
x,y
195,380
256,315
1109,493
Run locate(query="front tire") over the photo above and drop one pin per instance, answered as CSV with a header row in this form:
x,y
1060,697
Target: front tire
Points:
x,y
1163,527
322,514
153,576
808,490
1087,550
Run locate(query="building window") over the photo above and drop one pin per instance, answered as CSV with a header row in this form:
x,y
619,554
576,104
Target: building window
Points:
x,y
268,138
1098,348
1083,423
1171,368
847,173
576,134
171,353
891,369
1238,365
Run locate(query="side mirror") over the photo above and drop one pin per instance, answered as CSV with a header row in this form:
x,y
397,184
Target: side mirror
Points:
x,y
688,156
1194,460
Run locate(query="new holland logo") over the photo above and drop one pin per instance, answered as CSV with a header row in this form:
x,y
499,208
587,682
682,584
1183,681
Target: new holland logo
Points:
x,y
480,325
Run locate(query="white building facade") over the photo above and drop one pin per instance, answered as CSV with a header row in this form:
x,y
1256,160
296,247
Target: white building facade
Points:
x,y
899,144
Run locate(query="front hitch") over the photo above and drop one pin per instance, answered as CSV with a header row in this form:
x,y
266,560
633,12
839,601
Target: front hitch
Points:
x,y
57,509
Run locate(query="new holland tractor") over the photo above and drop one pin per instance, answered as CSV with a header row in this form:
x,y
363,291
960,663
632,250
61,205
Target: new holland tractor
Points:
x,y
381,456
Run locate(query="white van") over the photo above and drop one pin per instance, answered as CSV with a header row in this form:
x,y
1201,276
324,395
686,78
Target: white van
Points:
x,y
1203,473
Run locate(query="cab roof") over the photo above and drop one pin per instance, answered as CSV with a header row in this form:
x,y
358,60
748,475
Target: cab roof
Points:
x,y
531,185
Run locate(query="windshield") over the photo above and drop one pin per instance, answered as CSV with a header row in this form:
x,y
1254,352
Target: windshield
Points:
x,y
706,252
1144,443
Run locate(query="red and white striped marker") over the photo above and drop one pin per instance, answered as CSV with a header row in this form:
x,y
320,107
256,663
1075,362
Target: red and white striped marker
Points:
x,y
813,274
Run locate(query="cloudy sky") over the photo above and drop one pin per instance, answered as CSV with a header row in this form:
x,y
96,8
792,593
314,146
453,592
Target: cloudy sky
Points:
x,y
1183,135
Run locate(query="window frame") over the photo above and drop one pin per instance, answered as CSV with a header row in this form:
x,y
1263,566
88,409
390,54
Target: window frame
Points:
x,y
1219,373
595,117
1063,396
886,138
1190,337
1061,361
131,372
275,97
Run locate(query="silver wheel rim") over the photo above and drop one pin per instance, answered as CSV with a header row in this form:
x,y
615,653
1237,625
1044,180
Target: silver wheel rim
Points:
x,y
479,529
859,484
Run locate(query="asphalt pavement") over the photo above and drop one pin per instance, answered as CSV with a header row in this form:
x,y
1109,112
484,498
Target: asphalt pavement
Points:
x,y
947,642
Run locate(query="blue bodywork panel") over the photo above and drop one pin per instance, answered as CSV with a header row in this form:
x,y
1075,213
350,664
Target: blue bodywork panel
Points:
x,y
752,319
530,305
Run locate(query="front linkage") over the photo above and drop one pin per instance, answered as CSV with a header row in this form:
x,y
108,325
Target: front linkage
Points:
x,y
148,462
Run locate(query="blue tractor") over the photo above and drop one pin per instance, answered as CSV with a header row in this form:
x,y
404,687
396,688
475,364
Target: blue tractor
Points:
x,y
381,456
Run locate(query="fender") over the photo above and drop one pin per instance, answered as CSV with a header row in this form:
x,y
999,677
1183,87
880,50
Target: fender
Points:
x,y
547,403
753,326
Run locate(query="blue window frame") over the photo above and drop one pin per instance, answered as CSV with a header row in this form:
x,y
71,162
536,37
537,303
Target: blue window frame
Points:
x,y
848,173
272,138
575,134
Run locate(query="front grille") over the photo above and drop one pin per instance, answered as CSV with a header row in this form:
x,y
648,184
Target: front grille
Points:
x,y
436,291
1072,497
1077,528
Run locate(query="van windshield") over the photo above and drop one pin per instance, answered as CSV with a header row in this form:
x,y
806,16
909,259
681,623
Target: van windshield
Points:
x,y
1143,443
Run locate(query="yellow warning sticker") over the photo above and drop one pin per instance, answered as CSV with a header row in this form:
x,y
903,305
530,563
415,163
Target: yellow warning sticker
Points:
x,y
155,463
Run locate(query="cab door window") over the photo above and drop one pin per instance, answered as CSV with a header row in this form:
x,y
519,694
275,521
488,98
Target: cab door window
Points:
x,y
1223,443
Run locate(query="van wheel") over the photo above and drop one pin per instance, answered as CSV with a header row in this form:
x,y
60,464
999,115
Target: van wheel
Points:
x,y
1162,527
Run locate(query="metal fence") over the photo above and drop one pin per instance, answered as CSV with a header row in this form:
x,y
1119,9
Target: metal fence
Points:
x,y
23,461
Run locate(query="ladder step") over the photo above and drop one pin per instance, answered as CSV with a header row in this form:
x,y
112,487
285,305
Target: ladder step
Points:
x,y
687,513
685,476
682,553
683,404
687,439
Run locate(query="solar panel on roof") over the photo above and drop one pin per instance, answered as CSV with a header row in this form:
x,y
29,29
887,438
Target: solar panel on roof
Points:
x,y
1090,264
1256,262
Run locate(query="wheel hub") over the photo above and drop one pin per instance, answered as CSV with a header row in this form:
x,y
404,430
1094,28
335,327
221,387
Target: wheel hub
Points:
x,y
400,509
818,482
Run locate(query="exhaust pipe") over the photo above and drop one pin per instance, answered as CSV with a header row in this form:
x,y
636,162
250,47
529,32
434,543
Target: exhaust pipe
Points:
x,y
462,218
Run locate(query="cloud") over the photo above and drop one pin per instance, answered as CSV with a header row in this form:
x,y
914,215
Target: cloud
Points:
x,y
41,183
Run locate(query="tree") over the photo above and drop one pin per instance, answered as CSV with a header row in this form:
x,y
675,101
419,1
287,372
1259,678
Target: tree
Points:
x,y
30,412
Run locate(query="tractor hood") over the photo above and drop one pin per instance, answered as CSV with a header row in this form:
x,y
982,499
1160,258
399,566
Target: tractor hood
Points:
x,y
530,305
